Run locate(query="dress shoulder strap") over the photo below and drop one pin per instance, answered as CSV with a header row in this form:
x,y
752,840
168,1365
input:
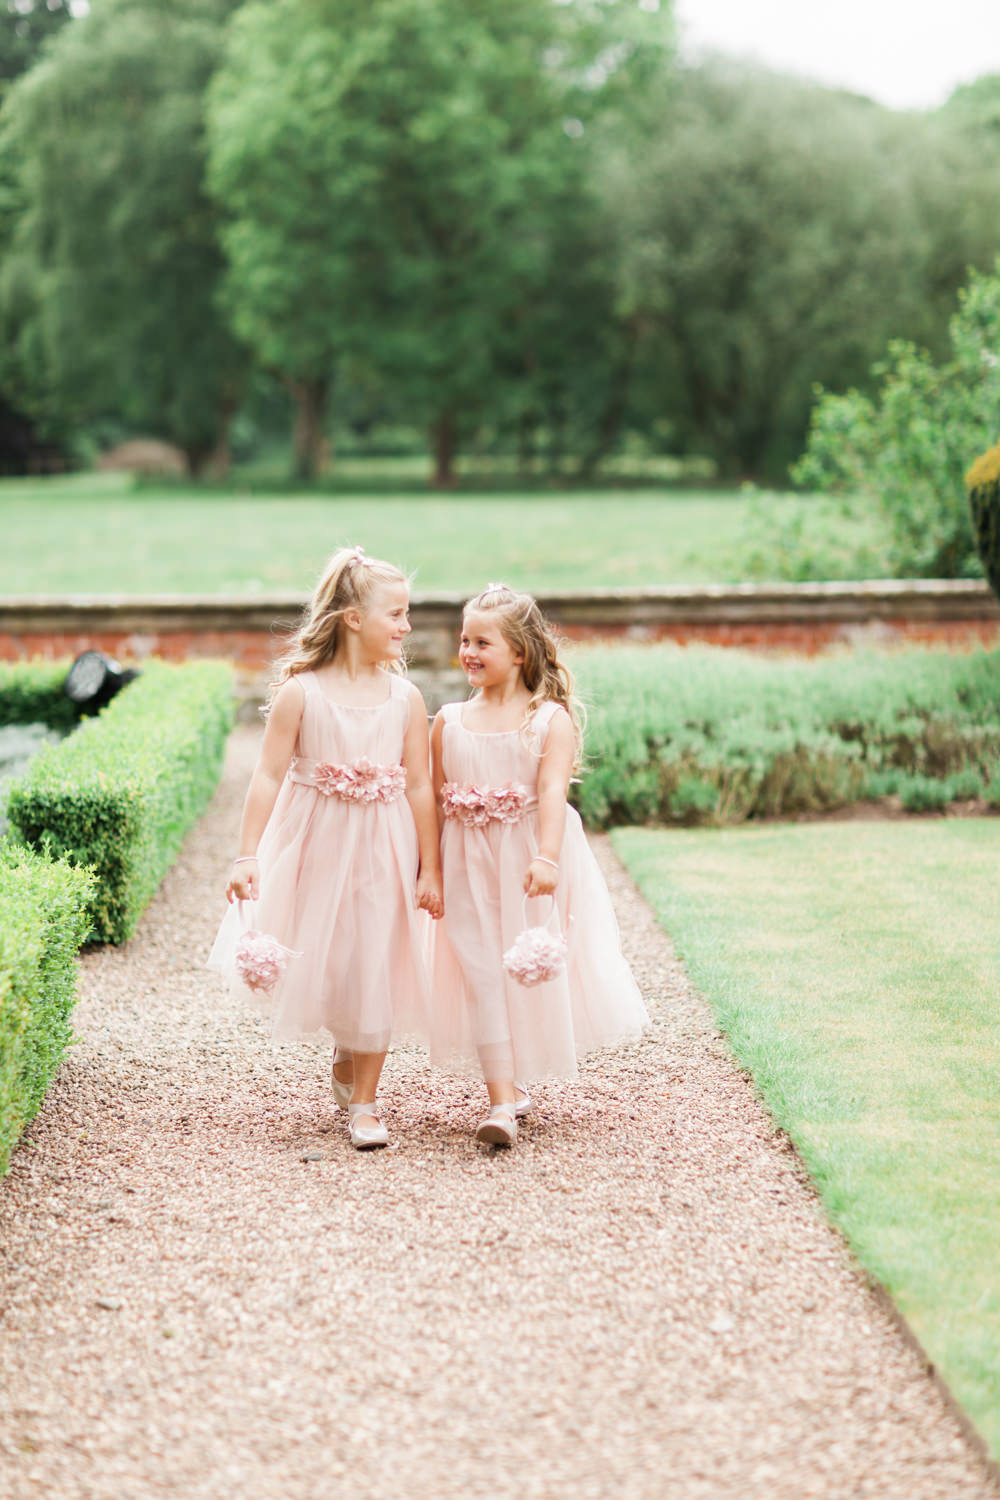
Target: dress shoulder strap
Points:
x,y
542,718
451,713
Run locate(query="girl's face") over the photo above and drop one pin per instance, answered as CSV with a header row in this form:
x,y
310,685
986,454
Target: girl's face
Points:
x,y
487,659
385,624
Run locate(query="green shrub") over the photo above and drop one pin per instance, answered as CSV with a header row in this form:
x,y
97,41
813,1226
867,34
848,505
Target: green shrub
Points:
x,y
702,735
120,793
43,921
31,692
983,485
907,448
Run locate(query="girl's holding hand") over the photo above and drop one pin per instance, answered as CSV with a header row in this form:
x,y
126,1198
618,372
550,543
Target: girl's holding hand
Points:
x,y
339,838
502,766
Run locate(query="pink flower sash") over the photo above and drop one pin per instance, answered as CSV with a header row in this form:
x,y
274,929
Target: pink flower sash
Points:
x,y
475,806
360,782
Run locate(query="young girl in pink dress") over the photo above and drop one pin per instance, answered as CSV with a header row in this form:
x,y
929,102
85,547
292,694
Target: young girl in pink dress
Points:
x,y
511,848
339,838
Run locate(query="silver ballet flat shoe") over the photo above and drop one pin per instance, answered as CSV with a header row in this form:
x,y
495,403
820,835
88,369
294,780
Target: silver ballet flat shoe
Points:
x,y
341,1091
366,1137
500,1126
523,1104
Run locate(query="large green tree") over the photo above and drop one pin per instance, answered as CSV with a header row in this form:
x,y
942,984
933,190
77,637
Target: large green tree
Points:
x,y
774,234
25,27
398,180
109,286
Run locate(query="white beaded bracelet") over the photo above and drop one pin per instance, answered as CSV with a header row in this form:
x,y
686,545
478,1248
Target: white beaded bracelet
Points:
x,y
244,859
543,861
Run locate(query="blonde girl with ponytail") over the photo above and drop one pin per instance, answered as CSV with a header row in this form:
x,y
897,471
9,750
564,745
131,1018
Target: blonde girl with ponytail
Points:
x,y
338,847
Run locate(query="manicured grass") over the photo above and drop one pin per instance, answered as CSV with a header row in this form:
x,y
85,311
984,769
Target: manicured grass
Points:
x,y
96,533
854,968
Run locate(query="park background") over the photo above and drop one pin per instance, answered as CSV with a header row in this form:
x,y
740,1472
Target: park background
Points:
x,y
521,291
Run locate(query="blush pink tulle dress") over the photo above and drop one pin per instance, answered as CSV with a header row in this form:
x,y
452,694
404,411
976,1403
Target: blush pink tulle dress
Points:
x,y
488,842
338,869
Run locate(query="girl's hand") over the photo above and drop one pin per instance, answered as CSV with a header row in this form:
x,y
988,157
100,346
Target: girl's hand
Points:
x,y
429,895
542,877
244,881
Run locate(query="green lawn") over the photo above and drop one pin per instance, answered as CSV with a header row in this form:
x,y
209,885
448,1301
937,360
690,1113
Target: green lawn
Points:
x,y
855,969
98,534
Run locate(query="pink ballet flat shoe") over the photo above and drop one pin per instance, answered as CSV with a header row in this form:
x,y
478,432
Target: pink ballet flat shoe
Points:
x,y
500,1126
366,1137
523,1104
341,1091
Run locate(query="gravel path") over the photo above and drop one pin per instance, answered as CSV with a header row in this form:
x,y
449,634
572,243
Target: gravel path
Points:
x,y
208,1293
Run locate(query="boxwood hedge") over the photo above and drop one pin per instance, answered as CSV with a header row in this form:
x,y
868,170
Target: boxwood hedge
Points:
x,y
31,692
119,794
43,921
698,735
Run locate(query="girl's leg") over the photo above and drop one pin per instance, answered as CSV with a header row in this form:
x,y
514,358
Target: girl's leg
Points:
x,y
343,1076
367,1072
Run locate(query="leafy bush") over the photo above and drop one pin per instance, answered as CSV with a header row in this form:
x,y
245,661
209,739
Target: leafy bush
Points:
x,y
983,484
907,449
702,735
121,792
43,921
822,537
31,692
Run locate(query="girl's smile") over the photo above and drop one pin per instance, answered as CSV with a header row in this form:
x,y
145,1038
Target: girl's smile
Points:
x,y
385,624
486,657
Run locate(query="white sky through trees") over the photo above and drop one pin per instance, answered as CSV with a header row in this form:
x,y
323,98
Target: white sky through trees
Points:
x,y
908,54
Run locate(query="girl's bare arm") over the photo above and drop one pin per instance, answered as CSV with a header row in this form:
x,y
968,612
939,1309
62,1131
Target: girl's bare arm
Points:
x,y
420,795
272,764
554,773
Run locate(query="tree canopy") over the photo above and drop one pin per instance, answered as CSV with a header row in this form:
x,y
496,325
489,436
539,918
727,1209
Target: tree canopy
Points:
x,y
397,184
110,279
511,225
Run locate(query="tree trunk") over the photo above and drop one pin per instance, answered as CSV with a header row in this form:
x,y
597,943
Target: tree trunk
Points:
x,y
309,444
213,463
527,428
614,410
444,440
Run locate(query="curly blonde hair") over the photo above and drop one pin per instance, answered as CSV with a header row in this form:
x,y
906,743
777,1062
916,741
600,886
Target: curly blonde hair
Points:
x,y
348,581
531,636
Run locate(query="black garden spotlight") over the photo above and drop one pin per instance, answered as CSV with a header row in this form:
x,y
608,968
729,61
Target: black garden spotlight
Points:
x,y
94,679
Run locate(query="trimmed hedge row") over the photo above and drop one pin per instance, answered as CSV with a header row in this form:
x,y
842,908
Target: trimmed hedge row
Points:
x,y
31,692
699,735
120,793
43,921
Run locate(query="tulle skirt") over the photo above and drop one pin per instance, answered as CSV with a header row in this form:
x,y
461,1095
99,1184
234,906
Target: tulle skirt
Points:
x,y
480,1012
338,886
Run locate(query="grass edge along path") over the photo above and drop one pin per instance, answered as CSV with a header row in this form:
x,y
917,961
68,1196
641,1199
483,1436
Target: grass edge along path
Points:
x,y
854,970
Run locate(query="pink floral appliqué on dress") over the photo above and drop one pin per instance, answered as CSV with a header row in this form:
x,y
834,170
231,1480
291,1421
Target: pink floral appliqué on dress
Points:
x,y
475,806
360,782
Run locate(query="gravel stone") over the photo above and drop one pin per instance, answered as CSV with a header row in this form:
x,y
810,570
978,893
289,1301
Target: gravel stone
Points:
x,y
643,1299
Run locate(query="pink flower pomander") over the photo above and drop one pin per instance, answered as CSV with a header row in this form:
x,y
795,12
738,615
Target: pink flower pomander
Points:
x,y
362,782
475,806
537,956
261,960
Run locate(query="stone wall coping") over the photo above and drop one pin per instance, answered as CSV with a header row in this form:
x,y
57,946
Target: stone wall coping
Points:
x,y
869,599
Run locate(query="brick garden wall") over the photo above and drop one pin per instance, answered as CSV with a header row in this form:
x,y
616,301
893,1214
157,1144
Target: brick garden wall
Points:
x,y
803,619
